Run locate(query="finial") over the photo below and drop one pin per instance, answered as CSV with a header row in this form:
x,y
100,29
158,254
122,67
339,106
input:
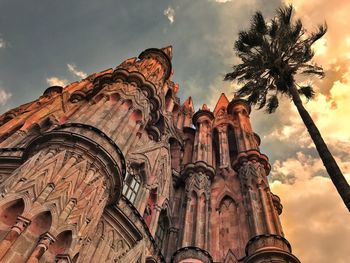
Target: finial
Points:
x,y
169,51
205,107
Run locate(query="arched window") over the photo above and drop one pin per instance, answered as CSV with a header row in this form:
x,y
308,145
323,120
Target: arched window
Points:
x,y
132,184
162,231
229,235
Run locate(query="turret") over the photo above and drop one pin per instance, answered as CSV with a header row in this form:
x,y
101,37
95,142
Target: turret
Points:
x,y
266,242
202,151
224,139
247,139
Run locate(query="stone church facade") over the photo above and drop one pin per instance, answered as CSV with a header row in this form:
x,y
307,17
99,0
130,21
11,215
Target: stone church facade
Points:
x,y
114,169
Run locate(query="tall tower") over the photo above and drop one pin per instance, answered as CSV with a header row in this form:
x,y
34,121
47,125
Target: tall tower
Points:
x,y
114,169
230,214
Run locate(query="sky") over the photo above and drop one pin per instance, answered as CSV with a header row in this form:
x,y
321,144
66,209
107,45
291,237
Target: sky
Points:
x,y
43,43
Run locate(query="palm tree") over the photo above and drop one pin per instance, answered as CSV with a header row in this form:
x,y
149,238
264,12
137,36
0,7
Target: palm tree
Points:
x,y
273,53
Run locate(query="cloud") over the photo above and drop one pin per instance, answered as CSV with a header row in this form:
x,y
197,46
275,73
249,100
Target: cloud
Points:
x,y
170,14
222,1
73,69
314,218
4,96
3,43
55,81
332,51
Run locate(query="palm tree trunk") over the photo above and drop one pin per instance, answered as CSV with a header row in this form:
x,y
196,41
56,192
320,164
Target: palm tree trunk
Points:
x,y
328,160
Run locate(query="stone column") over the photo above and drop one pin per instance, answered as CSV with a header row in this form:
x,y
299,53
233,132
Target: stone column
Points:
x,y
186,229
223,147
172,244
198,180
266,243
45,241
246,139
155,218
130,140
16,230
13,139
202,151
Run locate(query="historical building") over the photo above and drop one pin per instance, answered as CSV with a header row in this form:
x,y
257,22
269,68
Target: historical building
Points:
x,y
114,169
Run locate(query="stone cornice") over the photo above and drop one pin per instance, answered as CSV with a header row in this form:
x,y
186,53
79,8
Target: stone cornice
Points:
x,y
264,246
196,167
236,102
201,113
251,155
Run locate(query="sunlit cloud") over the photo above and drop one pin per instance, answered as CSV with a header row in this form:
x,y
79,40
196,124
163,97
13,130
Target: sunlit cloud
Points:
x,y
170,14
314,217
4,96
3,43
73,69
55,81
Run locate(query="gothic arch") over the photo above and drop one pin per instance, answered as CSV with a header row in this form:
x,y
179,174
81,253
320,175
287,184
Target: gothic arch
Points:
x,y
39,209
10,210
126,104
166,207
229,232
162,231
70,228
62,245
41,223
13,197
115,96
222,195
141,160
136,115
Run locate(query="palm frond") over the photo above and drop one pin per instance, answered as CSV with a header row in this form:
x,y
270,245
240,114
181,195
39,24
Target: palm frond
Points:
x,y
296,30
273,28
259,24
249,38
322,30
272,104
307,91
285,14
262,100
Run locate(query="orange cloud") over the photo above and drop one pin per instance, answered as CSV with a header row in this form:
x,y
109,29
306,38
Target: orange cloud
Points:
x,y
315,220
